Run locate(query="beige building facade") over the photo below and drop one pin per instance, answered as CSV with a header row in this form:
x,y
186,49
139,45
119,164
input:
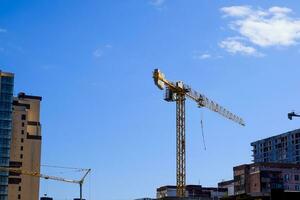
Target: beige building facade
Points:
x,y
25,150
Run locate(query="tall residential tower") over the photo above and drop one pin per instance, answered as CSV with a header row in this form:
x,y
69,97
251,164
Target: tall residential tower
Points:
x,y
25,151
6,96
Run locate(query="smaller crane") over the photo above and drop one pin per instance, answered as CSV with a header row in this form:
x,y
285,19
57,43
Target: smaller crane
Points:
x,y
292,114
36,174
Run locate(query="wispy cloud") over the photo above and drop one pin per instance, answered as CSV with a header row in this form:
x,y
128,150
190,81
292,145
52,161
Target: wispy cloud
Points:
x,y
157,3
235,46
109,46
201,56
99,52
2,30
198,55
271,27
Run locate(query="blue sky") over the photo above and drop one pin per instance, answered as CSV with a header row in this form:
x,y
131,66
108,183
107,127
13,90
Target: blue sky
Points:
x,y
92,62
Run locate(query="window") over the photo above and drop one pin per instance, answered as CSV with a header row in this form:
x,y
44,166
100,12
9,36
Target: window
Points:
x,y
21,156
5,124
286,177
23,124
22,132
21,148
286,187
23,117
296,177
19,196
22,140
20,188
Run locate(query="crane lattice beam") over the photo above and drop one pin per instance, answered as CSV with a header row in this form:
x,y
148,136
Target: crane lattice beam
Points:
x,y
203,101
200,99
36,174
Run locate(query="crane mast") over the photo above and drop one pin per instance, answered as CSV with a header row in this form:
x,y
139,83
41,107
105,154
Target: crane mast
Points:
x,y
178,92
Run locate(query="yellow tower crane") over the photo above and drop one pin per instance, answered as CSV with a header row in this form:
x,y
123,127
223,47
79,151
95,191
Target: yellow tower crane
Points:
x,y
36,174
177,91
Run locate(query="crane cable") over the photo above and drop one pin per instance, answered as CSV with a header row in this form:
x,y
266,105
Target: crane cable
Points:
x,y
202,131
62,167
90,187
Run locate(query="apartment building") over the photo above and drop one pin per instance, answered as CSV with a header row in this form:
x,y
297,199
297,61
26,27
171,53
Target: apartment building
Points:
x,y
283,148
259,179
228,185
192,191
25,151
6,96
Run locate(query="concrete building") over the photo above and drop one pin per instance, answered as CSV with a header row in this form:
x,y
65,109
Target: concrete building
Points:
x,y
6,96
25,151
146,198
259,179
192,192
283,148
229,185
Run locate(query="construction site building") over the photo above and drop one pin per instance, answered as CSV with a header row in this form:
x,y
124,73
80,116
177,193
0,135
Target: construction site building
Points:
x,y
192,191
229,185
283,148
259,179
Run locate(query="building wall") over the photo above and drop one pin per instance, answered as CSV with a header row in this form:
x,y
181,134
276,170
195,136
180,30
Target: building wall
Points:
x,y
6,96
283,148
192,191
260,178
241,176
229,185
25,147
254,183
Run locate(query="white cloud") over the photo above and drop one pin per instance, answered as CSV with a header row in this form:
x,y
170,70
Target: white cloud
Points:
x,y
157,3
201,56
235,46
205,56
265,28
237,11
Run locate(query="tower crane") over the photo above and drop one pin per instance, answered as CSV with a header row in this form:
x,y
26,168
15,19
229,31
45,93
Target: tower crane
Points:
x,y
36,174
292,114
178,91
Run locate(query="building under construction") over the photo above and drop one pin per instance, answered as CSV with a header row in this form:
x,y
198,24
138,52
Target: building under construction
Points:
x,y
283,148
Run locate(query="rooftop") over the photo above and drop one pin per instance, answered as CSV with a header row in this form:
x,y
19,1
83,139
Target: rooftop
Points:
x,y
270,165
22,95
277,136
7,74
